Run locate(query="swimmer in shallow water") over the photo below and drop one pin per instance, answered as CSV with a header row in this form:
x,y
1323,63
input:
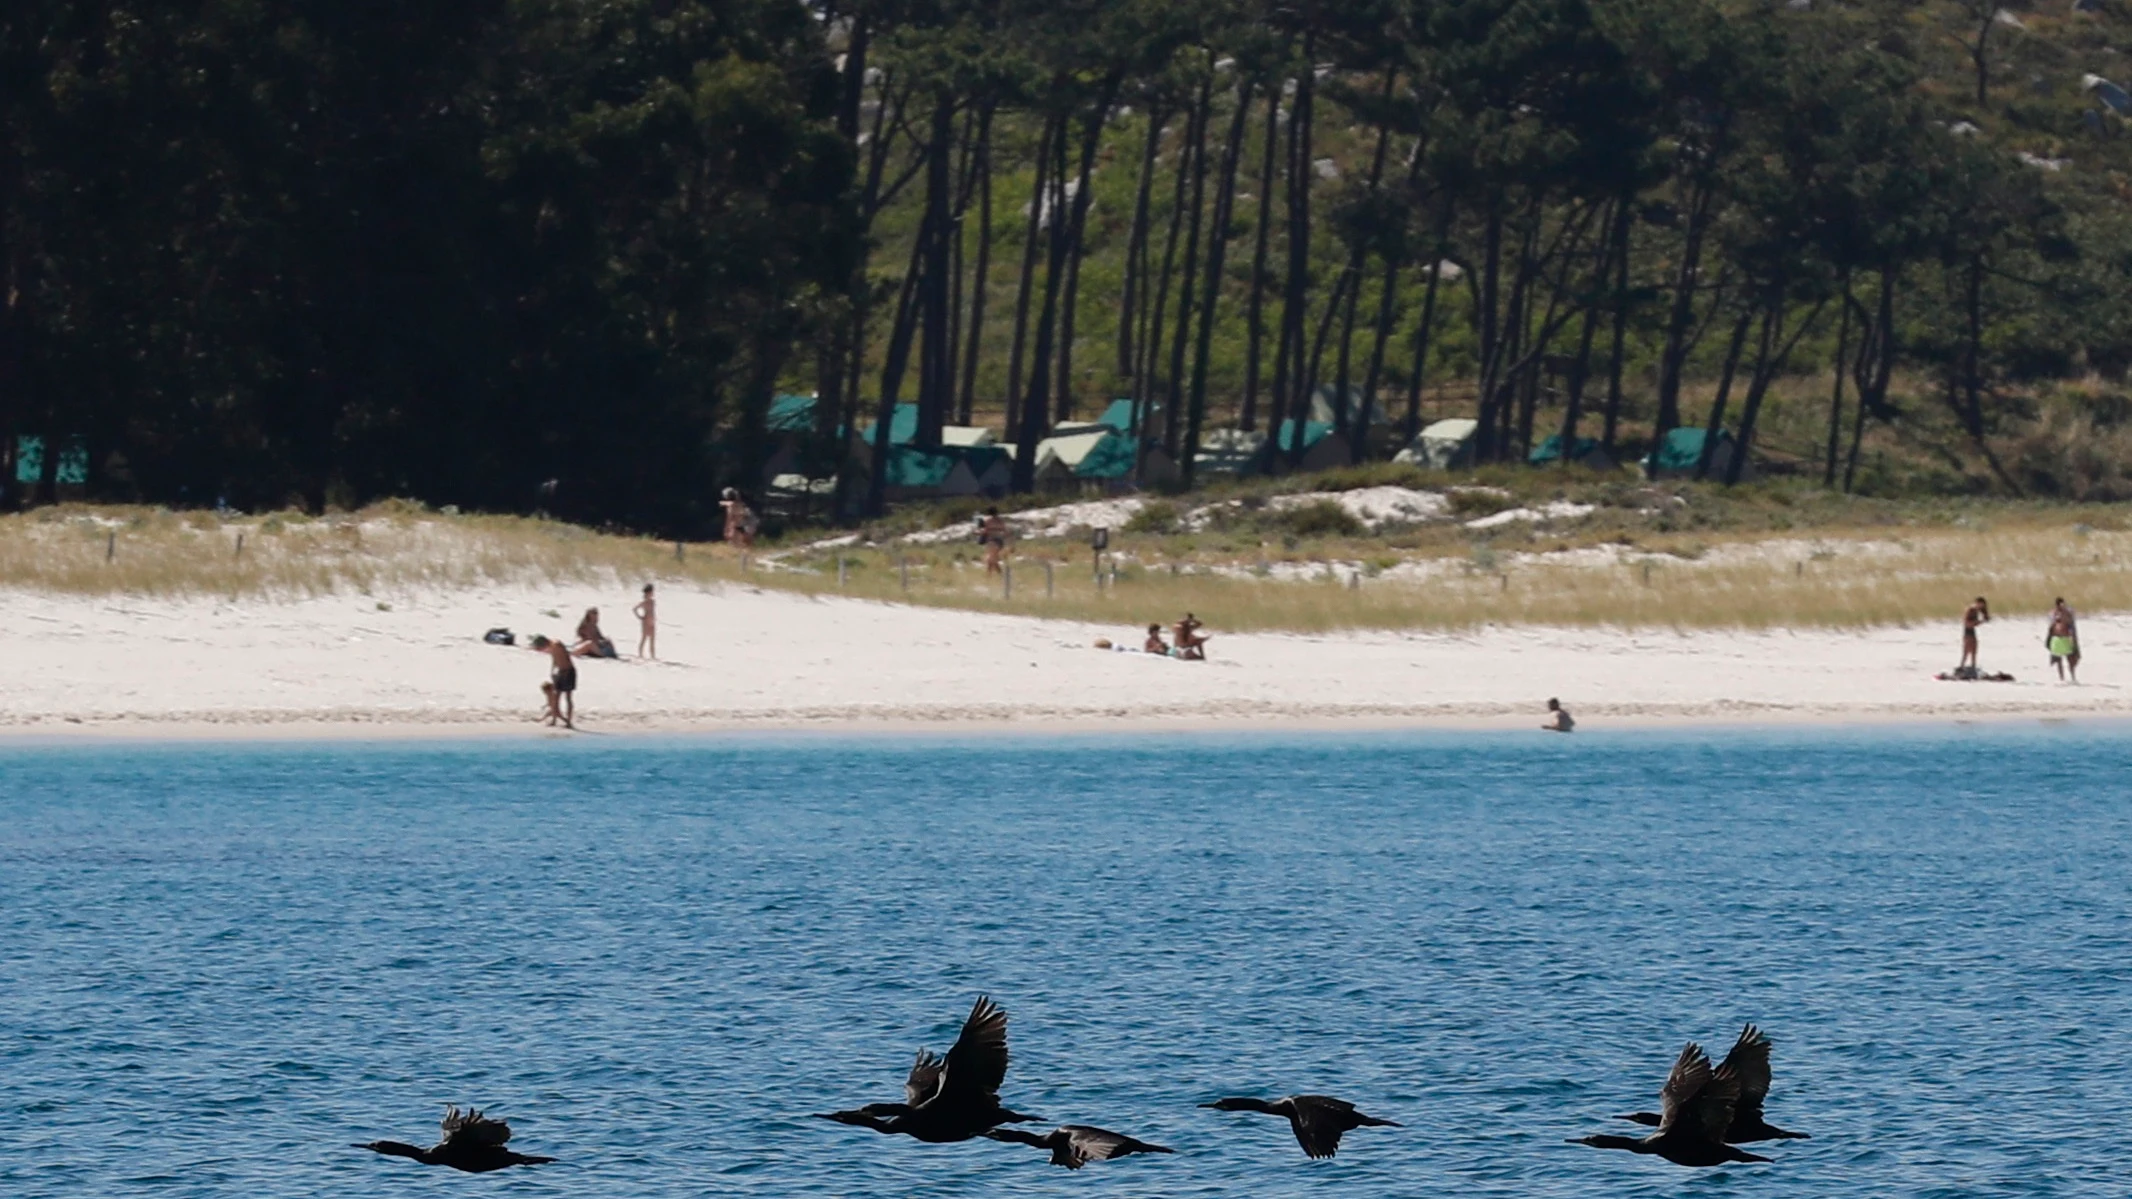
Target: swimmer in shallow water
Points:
x,y
1561,721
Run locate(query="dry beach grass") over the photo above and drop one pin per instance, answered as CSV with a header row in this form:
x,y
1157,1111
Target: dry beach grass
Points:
x,y
1546,576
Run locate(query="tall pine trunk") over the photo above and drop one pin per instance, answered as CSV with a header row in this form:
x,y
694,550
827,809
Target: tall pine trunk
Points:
x,y
1255,313
1053,129
1217,254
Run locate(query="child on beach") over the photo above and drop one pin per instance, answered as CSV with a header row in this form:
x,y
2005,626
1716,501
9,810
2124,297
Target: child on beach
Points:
x,y
647,614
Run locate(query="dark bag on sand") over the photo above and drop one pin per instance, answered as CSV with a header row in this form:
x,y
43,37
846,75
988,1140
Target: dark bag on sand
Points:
x,y
499,637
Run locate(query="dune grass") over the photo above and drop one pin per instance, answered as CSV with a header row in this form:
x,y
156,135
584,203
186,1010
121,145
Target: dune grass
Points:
x,y
1854,581
1431,578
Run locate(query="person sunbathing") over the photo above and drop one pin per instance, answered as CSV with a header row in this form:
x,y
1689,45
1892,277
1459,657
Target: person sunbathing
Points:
x,y
591,643
1190,645
1155,643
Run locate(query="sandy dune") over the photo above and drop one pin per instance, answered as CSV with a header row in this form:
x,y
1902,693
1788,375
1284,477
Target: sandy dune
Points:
x,y
740,658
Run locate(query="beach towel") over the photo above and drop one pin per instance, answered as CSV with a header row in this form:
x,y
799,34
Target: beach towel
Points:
x,y
499,637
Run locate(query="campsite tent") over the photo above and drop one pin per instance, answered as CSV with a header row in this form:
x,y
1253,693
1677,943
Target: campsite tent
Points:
x,y
1587,453
1059,456
1324,447
1444,445
1683,448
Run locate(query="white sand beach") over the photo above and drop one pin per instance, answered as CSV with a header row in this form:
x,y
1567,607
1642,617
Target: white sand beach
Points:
x,y
734,657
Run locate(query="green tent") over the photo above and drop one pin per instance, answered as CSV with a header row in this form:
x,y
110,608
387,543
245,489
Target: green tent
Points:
x,y
791,414
915,469
1683,449
1551,449
1110,458
1119,416
1313,433
902,428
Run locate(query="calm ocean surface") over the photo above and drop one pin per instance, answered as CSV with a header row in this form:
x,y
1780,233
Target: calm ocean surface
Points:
x,y
220,965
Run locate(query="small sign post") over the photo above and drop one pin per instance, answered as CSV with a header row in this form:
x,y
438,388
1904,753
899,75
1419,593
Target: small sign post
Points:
x,y
1099,540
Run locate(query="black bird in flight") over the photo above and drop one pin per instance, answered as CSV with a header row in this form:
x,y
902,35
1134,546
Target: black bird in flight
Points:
x,y
1319,1120
1075,1145
1695,1110
1750,1060
952,1098
472,1142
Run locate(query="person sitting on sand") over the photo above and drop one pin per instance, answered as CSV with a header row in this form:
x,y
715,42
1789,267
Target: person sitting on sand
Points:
x,y
2063,640
647,614
562,675
1190,645
591,643
1561,721
1978,613
1155,644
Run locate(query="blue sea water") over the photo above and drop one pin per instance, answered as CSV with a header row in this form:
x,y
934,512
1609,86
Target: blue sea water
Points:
x,y
221,965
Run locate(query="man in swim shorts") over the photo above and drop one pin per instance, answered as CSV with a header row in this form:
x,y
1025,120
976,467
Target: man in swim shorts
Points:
x,y
1978,613
2063,640
562,672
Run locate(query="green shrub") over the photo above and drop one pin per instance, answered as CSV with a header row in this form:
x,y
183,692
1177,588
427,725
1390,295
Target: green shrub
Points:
x,y
1319,518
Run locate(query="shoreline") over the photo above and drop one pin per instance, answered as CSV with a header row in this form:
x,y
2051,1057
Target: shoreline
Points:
x,y
301,729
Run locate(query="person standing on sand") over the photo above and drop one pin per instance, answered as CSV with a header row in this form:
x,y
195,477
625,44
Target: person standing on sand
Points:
x,y
647,614
739,520
562,675
2063,640
992,534
1978,613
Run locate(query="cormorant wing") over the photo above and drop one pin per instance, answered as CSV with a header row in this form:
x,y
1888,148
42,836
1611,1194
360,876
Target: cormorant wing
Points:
x,y
977,1063
924,1078
1691,1074
472,1128
1749,1060
1319,1121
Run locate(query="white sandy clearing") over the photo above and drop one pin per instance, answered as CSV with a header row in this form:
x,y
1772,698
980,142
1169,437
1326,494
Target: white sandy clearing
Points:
x,y
740,658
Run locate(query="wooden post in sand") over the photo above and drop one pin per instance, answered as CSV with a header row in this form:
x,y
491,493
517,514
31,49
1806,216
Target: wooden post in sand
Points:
x,y
903,571
1006,582
1047,579
840,572
680,554
240,546
110,546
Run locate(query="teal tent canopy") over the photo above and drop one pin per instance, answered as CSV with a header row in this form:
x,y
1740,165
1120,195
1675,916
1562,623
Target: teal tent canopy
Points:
x,y
1683,449
29,459
1551,449
1110,458
1119,416
909,466
1313,433
791,414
